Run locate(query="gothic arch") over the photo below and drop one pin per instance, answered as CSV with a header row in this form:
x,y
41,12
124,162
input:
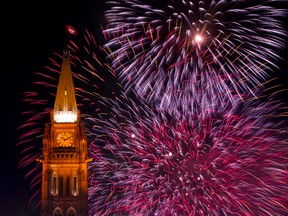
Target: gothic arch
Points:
x,y
71,212
57,212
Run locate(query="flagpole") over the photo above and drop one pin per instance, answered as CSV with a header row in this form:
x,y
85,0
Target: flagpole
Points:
x,y
66,39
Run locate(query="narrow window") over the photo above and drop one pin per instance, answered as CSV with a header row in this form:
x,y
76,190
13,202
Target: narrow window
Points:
x,y
75,186
53,185
68,186
61,186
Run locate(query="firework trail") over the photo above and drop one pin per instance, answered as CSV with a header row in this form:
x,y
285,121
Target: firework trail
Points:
x,y
172,52
230,161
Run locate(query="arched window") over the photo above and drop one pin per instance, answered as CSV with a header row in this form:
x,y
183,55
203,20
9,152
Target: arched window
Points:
x,y
57,212
71,212
53,188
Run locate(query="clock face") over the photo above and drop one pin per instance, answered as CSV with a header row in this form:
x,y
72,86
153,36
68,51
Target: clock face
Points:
x,y
65,139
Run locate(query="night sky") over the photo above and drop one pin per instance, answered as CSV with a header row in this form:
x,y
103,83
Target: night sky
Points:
x,y
30,33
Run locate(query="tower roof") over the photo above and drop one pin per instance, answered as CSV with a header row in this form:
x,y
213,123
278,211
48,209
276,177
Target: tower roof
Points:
x,y
65,107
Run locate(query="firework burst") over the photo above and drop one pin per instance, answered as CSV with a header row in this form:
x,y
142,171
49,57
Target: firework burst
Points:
x,y
172,52
229,161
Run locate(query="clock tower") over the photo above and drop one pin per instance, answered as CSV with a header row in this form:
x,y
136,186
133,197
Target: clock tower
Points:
x,y
65,153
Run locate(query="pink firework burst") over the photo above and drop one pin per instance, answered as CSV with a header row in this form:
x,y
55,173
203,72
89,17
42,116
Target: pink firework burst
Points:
x,y
229,161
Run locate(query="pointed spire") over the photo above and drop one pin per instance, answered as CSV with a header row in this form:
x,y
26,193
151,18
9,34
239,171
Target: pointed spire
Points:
x,y
65,107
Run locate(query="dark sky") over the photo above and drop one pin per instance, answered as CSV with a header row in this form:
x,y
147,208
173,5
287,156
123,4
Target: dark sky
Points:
x,y
31,31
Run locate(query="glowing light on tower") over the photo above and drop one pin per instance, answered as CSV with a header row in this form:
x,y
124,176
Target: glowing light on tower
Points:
x,y
65,117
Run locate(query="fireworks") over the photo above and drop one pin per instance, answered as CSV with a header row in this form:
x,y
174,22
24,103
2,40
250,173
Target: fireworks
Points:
x,y
172,52
232,161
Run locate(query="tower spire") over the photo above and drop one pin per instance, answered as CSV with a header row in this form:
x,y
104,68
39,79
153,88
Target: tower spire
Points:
x,y
65,107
